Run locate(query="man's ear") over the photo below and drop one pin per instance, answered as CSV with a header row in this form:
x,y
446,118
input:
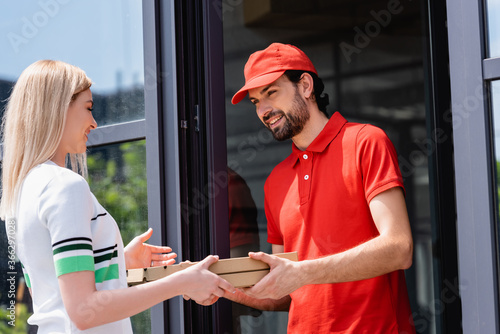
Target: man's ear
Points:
x,y
307,85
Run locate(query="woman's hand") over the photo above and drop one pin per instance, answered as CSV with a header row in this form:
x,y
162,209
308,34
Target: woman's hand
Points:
x,y
203,286
141,255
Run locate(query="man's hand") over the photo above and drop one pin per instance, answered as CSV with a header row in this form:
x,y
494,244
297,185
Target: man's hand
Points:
x,y
284,278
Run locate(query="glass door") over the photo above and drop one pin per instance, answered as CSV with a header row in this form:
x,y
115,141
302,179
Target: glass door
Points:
x,y
373,59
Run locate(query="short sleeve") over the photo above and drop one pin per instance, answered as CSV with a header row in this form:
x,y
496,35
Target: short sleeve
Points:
x,y
66,209
377,162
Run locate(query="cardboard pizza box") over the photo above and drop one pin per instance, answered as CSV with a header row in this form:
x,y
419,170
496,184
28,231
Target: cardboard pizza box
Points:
x,y
240,272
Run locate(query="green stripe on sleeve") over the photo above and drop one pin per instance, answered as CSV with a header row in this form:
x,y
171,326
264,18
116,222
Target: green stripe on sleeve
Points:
x,y
105,257
71,248
27,279
107,273
74,263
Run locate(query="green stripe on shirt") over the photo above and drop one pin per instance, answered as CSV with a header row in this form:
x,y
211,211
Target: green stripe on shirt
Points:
x,y
74,263
105,257
71,248
86,262
107,273
27,279
26,276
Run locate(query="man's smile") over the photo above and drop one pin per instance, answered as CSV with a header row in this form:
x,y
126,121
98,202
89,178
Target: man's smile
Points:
x,y
275,121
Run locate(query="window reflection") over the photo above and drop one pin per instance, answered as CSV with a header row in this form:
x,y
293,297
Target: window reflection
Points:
x,y
117,178
495,106
104,38
243,228
13,291
493,27
243,234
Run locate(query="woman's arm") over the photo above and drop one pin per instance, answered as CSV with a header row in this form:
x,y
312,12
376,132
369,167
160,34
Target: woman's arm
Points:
x,y
88,307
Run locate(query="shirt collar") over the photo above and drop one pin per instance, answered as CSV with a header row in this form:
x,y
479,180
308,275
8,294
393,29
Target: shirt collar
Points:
x,y
325,137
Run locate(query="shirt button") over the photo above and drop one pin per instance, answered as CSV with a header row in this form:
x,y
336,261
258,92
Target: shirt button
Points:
x,y
305,156
306,177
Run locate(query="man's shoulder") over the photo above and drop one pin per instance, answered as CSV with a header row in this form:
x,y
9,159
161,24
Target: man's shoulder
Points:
x,y
283,168
361,127
363,131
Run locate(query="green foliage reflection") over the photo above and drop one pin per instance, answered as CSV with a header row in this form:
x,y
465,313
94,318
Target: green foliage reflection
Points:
x,y
117,177
20,322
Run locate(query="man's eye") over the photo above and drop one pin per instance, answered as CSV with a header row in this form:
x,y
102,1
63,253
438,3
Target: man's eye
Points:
x,y
269,93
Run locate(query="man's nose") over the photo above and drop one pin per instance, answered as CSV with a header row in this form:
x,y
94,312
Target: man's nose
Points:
x,y
263,110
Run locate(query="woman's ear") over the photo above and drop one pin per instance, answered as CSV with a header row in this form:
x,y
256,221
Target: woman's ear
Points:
x,y
307,85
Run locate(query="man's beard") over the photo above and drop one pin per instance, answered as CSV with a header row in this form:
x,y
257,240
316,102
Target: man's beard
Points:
x,y
293,121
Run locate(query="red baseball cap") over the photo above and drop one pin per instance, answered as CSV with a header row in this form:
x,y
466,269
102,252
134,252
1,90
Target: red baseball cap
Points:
x,y
266,66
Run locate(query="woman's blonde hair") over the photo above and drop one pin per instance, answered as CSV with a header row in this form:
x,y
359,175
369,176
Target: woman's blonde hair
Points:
x,y
33,124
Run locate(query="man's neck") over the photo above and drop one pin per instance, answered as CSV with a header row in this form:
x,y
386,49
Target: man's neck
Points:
x,y
312,129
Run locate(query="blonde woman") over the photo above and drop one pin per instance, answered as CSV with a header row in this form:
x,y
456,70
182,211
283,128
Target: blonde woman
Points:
x,y
70,247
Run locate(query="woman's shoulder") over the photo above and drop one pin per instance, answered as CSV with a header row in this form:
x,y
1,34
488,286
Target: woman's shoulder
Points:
x,y
49,175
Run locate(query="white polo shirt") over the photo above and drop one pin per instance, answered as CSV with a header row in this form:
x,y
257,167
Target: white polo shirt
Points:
x,y
62,228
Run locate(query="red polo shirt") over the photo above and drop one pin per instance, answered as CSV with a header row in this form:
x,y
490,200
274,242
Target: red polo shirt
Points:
x,y
317,204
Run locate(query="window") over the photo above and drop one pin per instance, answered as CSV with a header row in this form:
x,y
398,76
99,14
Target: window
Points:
x,y
493,27
473,71
492,76
372,61
117,179
495,115
105,39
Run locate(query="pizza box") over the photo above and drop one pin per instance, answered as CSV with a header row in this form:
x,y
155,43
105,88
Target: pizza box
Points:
x,y
240,271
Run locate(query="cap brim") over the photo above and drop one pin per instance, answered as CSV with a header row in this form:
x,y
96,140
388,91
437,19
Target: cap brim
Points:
x,y
259,81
